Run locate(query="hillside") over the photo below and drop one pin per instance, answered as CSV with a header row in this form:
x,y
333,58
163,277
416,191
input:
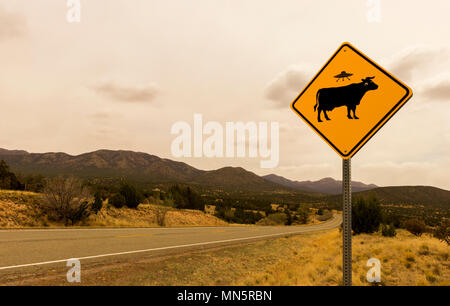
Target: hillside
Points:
x,y
102,163
136,166
407,195
326,185
425,202
18,210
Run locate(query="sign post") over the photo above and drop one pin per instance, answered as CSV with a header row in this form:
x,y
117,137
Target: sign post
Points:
x,y
346,103
347,222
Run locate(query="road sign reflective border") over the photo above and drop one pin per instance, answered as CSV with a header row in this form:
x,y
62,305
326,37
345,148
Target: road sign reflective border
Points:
x,y
295,105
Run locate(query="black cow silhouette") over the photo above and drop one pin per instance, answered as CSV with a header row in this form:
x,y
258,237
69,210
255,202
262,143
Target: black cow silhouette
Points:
x,y
329,98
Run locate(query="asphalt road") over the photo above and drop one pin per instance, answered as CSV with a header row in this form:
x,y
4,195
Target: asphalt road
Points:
x,y
41,247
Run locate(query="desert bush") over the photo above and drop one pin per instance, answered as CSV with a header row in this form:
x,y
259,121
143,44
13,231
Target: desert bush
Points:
x,y
366,215
117,200
274,219
415,226
388,230
98,203
302,215
161,213
66,199
184,198
130,194
8,179
326,215
442,231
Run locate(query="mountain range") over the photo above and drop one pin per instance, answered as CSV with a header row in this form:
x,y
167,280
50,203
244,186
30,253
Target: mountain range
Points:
x,y
136,166
326,185
143,167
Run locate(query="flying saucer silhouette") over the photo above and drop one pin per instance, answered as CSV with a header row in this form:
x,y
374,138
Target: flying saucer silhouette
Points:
x,y
342,76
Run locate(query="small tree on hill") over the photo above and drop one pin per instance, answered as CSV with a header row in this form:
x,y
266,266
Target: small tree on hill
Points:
x,y
302,214
66,199
117,200
98,203
160,213
442,232
415,226
8,179
388,230
130,195
366,215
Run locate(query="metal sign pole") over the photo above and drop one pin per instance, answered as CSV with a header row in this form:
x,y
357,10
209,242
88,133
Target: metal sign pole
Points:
x,y
347,222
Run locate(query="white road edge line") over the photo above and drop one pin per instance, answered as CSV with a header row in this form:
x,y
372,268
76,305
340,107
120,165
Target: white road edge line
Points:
x,y
167,248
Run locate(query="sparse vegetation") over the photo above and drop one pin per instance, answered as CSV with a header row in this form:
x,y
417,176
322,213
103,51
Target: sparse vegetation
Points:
x,y
66,199
274,219
161,213
22,209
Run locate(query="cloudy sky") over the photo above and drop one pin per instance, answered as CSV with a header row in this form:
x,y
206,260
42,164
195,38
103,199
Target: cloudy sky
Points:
x,y
130,69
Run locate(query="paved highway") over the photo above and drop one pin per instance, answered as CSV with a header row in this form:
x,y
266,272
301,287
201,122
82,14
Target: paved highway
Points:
x,y
40,247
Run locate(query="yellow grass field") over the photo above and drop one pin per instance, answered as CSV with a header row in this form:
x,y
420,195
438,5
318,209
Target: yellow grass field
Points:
x,y
17,211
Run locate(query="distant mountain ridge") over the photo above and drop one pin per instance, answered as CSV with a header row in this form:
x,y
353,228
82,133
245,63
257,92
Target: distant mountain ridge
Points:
x,y
326,185
133,165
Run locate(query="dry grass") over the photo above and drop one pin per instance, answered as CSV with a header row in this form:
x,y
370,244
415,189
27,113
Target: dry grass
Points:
x,y
145,216
405,260
17,211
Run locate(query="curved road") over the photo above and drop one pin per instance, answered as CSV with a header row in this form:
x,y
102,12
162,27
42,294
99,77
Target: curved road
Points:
x,y
39,247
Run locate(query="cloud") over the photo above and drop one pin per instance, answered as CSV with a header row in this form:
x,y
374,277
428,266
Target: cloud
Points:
x,y
437,88
418,61
11,25
127,93
288,84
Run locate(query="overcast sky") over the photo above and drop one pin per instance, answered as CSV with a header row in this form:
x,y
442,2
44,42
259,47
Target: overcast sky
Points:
x,y
131,68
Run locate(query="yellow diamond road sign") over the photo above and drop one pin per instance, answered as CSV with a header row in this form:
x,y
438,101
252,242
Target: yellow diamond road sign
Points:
x,y
349,100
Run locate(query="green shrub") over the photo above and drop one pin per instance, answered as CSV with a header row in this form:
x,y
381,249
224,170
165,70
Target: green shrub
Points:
x,y
185,198
302,215
442,232
366,215
98,203
275,219
8,180
415,226
130,194
117,200
388,230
